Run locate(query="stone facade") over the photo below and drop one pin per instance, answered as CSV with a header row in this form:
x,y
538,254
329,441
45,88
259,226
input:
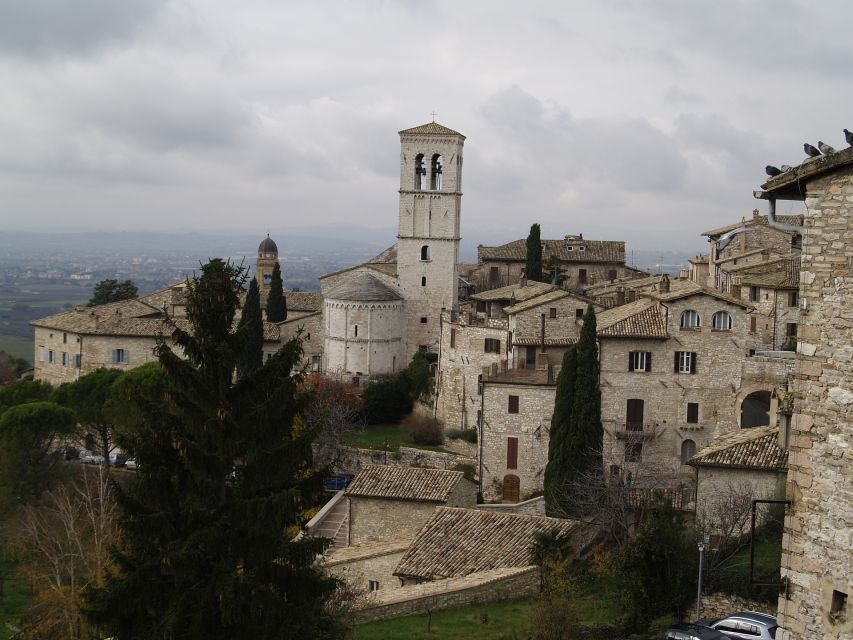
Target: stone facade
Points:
x,y
362,565
818,534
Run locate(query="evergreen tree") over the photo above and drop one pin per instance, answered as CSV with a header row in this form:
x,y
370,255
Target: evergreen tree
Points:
x,y
276,302
533,268
251,329
112,291
89,398
583,443
225,477
558,470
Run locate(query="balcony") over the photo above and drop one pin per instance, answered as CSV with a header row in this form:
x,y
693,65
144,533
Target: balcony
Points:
x,y
636,431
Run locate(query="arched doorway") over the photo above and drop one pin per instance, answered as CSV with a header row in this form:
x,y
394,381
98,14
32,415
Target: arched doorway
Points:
x,y
755,410
511,488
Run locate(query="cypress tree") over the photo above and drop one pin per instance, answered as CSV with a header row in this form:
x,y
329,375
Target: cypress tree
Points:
x,y
585,434
251,329
533,268
557,480
225,478
276,303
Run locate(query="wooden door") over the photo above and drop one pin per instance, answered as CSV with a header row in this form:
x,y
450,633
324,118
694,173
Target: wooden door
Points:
x,y
634,415
511,489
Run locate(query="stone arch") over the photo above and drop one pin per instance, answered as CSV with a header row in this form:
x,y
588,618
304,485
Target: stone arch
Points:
x,y
688,450
435,181
754,408
420,171
690,319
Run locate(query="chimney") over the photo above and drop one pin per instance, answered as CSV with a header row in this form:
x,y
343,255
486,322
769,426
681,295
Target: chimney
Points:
x,y
632,295
620,296
755,214
663,287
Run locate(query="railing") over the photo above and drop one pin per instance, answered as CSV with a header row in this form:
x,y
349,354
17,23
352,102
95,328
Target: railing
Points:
x,y
635,430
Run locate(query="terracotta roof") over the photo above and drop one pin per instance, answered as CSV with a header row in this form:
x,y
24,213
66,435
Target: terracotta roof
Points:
x,y
404,483
458,542
514,292
640,319
366,550
545,298
362,286
748,222
593,251
739,256
685,288
431,128
389,255
388,268
304,300
610,286
522,376
754,448
784,275
549,342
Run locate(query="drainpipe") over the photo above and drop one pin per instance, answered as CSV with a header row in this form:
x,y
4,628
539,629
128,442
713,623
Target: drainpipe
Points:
x,y
771,214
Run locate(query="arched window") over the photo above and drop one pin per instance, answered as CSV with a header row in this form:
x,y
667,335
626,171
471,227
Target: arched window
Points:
x,y
420,171
755,410
425,253
721,321
435,173
688,450
689,319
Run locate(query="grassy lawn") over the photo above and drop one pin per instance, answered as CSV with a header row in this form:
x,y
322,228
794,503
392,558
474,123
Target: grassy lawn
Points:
x,y
376,437
507,619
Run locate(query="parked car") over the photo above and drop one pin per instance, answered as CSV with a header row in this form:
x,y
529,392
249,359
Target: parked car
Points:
x,y
130,465
693,632
68,453
338,482
747,625
89,457
117,459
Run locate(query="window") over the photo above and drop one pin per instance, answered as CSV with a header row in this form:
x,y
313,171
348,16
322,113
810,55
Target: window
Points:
x,y
420,171
423,281
315,364
634,414
692,412
64,338
453,338
633,451
793,298
754,294
41,354
688,449
435,173
64,359
578,313
552,312
721,321
838,606
512,453
120,356
267,279
791,329
355,330
423,319
582,276
493,345
50,356
640,361
689,319
373,585
611,274
78,360
753,324
512,404
425,253
685,362
494,275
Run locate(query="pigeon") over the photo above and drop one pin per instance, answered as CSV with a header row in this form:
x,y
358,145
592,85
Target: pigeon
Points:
x,y
785,167
848,135
810,150
772,171
825,149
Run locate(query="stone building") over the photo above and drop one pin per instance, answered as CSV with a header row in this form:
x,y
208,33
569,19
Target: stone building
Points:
x,y
377,315
817,571
583,262
390,502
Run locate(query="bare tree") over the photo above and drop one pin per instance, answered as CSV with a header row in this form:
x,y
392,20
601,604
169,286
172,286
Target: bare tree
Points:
x,y
725,516
65,543
334,409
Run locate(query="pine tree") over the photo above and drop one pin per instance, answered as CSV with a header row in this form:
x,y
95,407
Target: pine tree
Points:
x,y
585,434
251,329
533,268
276,302
225,477
557,478
112,291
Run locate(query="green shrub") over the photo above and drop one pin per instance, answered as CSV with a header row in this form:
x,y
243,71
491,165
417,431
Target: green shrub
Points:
x,y
386,400
468,435
424,429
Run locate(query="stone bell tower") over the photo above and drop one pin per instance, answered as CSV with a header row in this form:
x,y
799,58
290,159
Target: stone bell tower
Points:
x,y
429,230
267,259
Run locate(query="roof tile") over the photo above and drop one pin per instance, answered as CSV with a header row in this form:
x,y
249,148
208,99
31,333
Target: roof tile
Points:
x,y
754,448
404,483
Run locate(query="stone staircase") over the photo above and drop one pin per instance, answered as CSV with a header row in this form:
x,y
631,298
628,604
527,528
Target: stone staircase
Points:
x,y
332,521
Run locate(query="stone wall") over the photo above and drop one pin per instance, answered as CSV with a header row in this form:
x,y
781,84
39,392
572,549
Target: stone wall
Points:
x,y
720,605
476,588
312,335
373,519
714,483
818,536
352,460
530,426
372,566
533,507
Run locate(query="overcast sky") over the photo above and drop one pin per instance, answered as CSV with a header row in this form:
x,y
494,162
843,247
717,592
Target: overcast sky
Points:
x,y
645,120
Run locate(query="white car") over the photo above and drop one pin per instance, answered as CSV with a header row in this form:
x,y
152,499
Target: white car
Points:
x,y
88,457
130,465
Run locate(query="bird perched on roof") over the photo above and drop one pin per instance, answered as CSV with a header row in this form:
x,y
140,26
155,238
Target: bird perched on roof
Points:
x,y
810,150
848,135
772,171
785,167
825,149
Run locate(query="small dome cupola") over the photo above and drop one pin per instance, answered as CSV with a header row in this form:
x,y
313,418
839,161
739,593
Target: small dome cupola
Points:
x,y
267,246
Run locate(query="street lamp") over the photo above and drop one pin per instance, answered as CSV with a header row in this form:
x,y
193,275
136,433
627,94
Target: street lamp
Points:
x,y
703,544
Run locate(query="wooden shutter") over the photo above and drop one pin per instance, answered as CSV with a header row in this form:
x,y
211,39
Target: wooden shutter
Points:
x,y
692,412
648,360
630,361
512,453
693,362
634,414
675,368
513,404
